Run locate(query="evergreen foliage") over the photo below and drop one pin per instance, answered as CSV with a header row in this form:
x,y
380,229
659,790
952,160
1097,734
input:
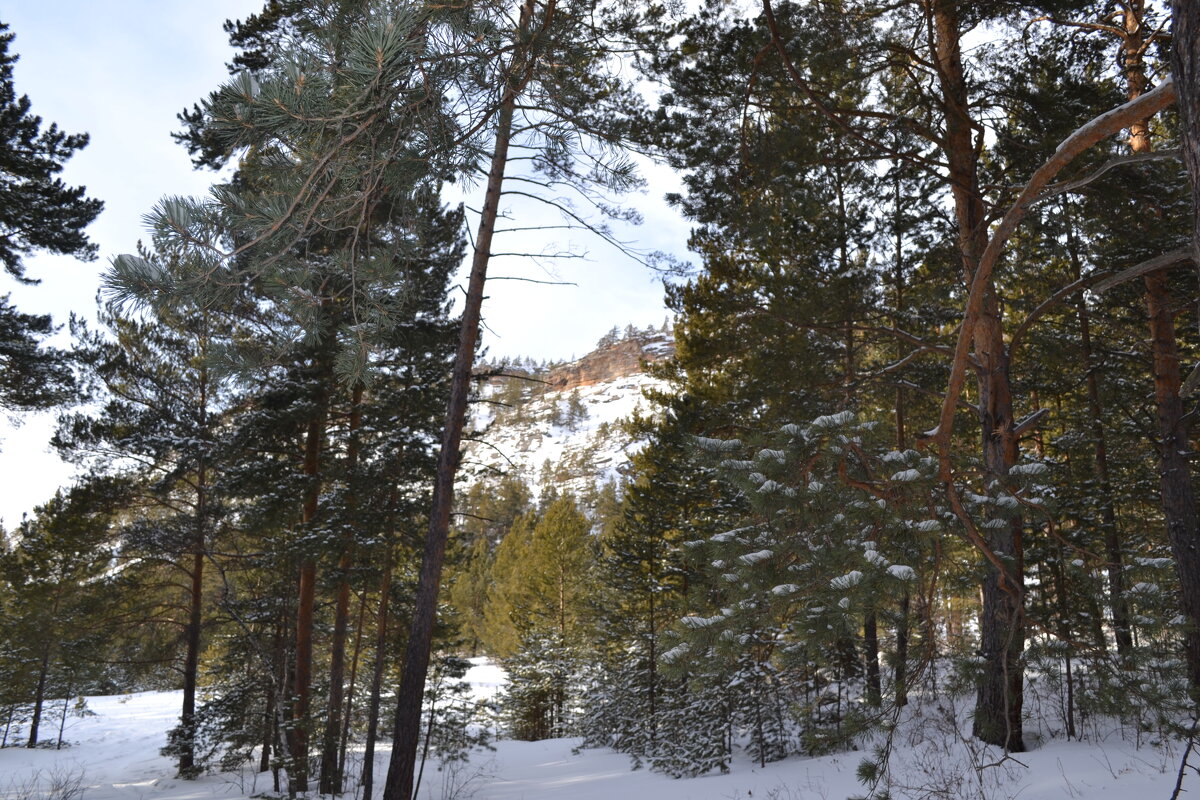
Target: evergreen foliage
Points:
x,y
31,376
37,210
787,563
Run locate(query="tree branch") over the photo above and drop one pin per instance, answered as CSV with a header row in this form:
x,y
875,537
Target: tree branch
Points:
x,y
1083,138
1180,256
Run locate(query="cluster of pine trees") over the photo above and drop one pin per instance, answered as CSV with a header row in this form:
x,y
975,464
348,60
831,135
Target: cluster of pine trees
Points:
x,y
829,512
927,425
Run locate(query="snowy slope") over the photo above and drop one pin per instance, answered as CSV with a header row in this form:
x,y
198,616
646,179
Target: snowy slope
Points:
x,y
535,441
114,754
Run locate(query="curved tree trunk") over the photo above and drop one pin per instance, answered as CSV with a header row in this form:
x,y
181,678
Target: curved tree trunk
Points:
x,y
1002,637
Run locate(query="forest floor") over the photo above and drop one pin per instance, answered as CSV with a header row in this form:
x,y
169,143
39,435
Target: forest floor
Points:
x,y
112,753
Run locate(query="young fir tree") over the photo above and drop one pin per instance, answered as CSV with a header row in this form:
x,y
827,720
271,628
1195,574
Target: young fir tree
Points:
x,y
539,615
488,511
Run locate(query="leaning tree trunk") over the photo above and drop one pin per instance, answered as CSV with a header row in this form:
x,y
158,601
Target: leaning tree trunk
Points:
x,y
416,660
1002,640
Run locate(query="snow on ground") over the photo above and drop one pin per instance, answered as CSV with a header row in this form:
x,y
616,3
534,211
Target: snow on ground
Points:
x,y
114,753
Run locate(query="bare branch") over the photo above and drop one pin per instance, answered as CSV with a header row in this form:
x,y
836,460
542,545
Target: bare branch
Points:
x,y
530,280
1119,161
1189,385
1063,293
1180,256
1031,421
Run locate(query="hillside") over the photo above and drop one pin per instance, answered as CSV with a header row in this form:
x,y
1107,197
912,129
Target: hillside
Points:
x,y
562,423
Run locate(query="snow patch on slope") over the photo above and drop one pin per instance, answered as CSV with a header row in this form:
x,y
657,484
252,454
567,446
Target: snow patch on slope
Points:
x,y
542,444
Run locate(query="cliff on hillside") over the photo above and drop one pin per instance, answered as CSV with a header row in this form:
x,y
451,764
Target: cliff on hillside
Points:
x,y
560,424
609,362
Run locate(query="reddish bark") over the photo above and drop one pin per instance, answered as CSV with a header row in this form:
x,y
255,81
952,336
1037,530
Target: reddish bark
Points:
x,y
1002,638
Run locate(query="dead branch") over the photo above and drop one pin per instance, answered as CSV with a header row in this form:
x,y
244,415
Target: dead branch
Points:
x,y
1119,161
1030,421
1170,259
1054,299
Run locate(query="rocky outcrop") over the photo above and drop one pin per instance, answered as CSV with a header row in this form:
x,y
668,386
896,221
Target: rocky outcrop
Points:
x,y
626,357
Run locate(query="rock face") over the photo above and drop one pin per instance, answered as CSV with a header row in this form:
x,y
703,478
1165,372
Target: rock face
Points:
x,y
562,427
619,360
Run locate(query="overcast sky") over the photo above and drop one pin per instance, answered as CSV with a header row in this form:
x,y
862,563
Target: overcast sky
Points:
x,y
122,69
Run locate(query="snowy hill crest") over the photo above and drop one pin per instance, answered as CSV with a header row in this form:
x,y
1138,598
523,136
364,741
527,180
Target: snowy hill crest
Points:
x,y
561,424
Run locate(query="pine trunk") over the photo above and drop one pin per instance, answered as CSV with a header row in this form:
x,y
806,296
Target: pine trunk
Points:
x,y
871,653
900,669
191,659
1118,603
306,599
1185,66
348,714
331,775
39,697
269,730
900,666
191,664
416,660
1175,477
1002,639
62,720
381,626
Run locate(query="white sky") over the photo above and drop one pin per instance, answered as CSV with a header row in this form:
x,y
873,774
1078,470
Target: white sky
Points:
x,y
121,70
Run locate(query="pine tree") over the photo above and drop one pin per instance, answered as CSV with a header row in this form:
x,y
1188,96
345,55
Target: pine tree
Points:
x,y
162,405
31,376
334,270
539,615
489,511
37,210
60,577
